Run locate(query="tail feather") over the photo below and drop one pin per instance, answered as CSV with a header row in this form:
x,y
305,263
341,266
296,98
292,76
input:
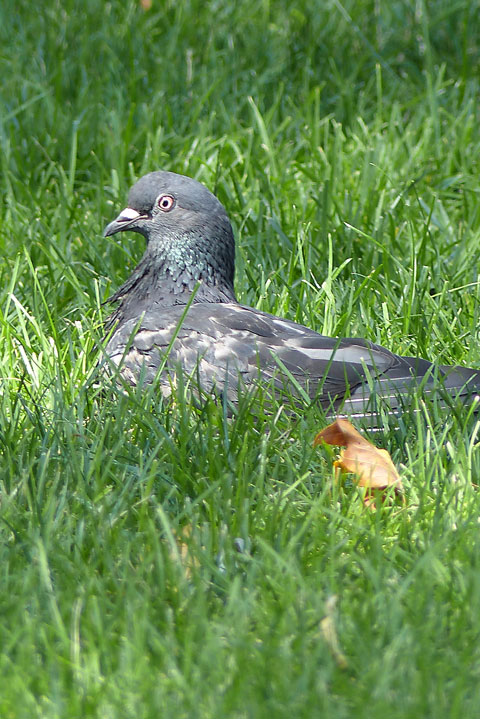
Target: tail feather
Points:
x,y
445,387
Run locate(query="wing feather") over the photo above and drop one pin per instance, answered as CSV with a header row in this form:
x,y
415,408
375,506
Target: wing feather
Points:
x,y
225,346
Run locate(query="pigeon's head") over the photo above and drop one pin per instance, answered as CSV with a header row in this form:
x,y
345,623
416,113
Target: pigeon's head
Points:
x,y
186,227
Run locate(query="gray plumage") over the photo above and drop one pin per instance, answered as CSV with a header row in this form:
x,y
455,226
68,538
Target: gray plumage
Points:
x,y
224,347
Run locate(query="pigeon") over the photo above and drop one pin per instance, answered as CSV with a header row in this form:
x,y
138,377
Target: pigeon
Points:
x,y
178,315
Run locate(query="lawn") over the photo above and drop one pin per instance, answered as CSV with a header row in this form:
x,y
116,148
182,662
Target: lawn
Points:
x,y
167,560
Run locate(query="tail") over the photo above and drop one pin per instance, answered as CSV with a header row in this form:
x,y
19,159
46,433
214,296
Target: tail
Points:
x,y
408,387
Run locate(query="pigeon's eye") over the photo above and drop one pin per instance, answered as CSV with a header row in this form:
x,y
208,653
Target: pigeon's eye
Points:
x,y
165,202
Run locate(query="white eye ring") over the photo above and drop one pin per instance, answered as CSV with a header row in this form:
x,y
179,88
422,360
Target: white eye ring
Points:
x,y
166,202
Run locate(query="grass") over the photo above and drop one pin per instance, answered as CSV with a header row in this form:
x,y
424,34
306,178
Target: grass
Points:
x,y
165,560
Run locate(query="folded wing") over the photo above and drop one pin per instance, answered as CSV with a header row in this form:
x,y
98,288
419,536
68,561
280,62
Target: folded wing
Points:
x,y
224,347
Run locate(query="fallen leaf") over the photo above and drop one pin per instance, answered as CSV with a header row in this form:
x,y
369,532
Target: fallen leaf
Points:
x,y
182,552
329,632
373,466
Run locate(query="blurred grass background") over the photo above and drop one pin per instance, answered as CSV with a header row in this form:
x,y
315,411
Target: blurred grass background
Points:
x,y
165,561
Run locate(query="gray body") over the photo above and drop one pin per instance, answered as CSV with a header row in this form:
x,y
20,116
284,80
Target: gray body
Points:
x,y
222,347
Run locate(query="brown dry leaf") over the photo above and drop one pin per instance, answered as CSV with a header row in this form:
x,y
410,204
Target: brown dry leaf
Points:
x,y
182,552
373,467
329,632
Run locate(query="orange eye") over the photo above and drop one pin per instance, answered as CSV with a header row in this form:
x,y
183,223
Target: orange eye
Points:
x,y
165,202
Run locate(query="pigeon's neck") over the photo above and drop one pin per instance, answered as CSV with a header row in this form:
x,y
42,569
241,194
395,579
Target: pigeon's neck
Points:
x,y
159,282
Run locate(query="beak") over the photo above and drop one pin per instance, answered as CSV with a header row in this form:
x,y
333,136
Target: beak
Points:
x,y
124,221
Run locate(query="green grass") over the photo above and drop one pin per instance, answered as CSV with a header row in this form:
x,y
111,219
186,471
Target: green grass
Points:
x,y
344,140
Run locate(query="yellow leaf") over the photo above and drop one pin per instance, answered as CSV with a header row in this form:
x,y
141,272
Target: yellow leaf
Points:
x,y
373,466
